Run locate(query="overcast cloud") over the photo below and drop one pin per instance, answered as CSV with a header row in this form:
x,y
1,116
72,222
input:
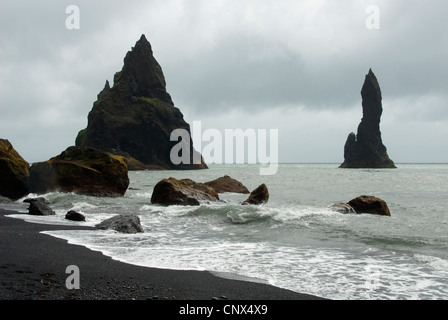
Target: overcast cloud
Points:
x,y
293,65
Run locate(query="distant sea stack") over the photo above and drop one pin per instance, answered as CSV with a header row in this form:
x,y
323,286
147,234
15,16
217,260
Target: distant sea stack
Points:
x,y
136,116
366,149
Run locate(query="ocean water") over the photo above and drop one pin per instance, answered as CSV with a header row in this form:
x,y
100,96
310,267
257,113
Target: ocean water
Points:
x,y
294,241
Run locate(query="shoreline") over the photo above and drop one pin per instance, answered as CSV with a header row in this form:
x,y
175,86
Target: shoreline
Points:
x,y
33,267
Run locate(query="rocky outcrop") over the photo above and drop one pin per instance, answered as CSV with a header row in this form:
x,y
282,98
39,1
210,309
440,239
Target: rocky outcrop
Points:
x,y
123,223
81,170
39,207
182,192
75,216
370,204
14,171
136,116
227,184
259,196
366,149
188,192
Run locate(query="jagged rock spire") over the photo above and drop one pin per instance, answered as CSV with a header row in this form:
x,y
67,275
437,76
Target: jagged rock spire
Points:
x,y
141,75
135,117
366,149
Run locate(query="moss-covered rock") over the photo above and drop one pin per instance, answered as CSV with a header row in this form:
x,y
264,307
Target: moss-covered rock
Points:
x,y
14,171
81,170
182,192
227,184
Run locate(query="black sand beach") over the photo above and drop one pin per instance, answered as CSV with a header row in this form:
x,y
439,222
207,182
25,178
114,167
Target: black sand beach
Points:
x,y
33,267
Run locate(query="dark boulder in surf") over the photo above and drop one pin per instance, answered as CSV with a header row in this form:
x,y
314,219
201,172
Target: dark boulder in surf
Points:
x,y
123,223
259,196
370,204
39,207
182,192
75,216
363,204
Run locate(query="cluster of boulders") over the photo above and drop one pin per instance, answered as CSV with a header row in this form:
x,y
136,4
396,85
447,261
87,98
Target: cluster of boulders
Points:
x,y
124,223
89,171
166,192
81,170
172,191
93,172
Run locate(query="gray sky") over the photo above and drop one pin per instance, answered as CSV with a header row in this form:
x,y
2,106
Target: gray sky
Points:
x,y
293,65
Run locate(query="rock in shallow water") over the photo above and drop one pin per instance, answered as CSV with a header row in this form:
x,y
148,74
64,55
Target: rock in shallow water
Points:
x,y
259,196
38,207
123,223
182,192
363,204
370,204
75,216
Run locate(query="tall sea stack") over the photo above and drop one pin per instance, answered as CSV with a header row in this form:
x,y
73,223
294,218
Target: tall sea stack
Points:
x,y
366,149
136,116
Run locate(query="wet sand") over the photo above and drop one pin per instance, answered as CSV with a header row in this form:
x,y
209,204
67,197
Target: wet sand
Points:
x,y
33,267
